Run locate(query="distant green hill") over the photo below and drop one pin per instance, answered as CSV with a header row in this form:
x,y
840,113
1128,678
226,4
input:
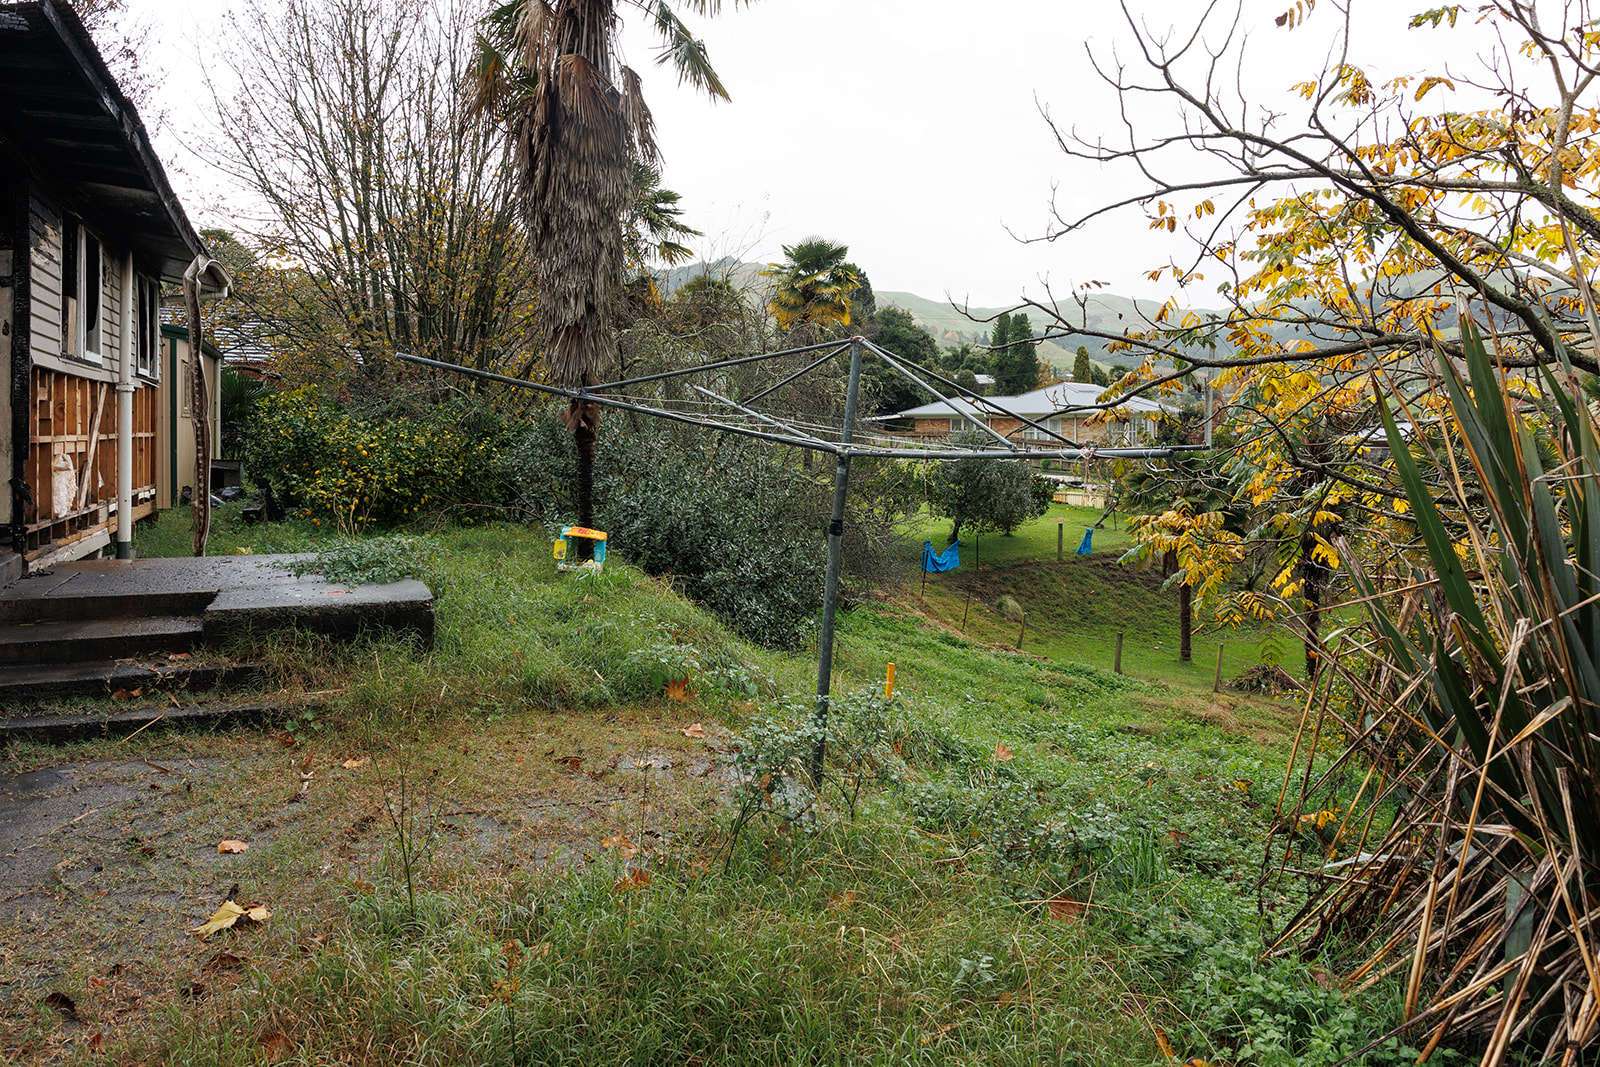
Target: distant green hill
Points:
x,y
953,324
1105,312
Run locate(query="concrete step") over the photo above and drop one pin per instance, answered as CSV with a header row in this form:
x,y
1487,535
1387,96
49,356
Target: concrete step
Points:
x,y
66,604
80,726
99,639
35,685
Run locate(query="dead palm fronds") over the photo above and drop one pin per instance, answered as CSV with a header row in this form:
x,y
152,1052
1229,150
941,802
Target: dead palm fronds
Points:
x,y
1454,842
579,126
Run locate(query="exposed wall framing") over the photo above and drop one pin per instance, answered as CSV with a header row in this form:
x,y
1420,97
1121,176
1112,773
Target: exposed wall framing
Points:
x,y
71,463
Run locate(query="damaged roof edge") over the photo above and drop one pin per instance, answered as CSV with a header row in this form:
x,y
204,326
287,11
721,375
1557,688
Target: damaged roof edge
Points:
x,y
80,46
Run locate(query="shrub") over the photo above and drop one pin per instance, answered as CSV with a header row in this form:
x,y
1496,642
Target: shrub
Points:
x,y
733,524
738,526
986,494
356,471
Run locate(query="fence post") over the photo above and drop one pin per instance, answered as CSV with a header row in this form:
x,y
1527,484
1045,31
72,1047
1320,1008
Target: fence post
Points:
x,y
1061,528
1116,664
1216,680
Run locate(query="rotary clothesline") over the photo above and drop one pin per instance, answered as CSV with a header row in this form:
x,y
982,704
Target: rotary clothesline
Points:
x,y
723,414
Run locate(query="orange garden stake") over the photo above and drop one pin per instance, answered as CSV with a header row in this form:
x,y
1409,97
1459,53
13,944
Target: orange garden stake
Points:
x,y
888,682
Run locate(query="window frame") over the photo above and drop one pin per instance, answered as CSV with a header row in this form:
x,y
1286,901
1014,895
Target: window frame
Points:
x,y
147,319
95,354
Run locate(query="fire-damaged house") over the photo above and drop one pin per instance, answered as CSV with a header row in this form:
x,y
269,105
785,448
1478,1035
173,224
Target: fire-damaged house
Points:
x,y
91,236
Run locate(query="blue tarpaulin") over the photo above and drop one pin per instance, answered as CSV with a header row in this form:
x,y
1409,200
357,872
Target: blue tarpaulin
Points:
x,y
1087,545
939,562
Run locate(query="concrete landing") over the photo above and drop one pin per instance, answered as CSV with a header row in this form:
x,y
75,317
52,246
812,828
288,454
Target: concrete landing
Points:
x,y
224,596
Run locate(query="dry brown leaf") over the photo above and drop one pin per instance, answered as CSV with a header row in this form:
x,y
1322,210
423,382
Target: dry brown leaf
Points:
x,y
1164,1045
571,763
843,899
355,763
231,846
1065,908
678,690
276,1045
179,655
62,1003
1003,753
694,729
625,849
222,961
637,878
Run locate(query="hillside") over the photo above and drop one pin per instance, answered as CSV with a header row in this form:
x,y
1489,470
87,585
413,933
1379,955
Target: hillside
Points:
x,y
953,324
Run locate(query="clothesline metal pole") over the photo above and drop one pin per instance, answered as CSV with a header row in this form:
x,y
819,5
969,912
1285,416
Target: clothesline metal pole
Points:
x,y
830,589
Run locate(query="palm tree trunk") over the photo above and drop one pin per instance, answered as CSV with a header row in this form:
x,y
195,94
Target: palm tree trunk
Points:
x,y
585,419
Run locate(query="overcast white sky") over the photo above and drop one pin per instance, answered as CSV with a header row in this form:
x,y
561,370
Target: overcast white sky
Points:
x,y
906,128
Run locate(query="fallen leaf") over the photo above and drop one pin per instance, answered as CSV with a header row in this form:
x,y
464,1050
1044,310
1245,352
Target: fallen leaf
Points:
x,y
180,655
938,1032
637,878
1178,837
305,761
121,694
1003,753
1065,908
619,841
694,729
276,1045
231,846
62,1003
571,763
284,738
843,899
355,763
222,961
678,690
97,1041
1164,1045
229,914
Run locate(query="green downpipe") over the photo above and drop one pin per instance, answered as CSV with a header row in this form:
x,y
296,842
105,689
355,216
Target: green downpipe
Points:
x,y
173,385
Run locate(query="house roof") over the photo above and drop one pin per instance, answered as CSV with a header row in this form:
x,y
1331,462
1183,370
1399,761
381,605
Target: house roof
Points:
x,y
1061,398
62,109
169,329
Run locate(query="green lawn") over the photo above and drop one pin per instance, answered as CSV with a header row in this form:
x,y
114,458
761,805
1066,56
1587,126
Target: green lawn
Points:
x,y
1032,541
1053,863
1076,607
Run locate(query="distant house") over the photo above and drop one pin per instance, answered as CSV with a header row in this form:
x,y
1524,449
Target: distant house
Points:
x,y
1066,408
90,232
175,414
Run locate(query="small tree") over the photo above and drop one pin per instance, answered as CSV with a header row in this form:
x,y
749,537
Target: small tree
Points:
x,y
1082,368
1016,366
986,494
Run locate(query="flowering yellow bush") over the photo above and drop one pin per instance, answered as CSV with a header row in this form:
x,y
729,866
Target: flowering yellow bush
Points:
x,y
333,466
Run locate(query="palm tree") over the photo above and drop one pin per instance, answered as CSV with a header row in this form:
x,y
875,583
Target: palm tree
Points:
x,y
814,286
654,225
578,126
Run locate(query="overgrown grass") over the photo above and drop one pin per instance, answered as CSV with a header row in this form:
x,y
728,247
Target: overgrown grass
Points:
x,y
1063,872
